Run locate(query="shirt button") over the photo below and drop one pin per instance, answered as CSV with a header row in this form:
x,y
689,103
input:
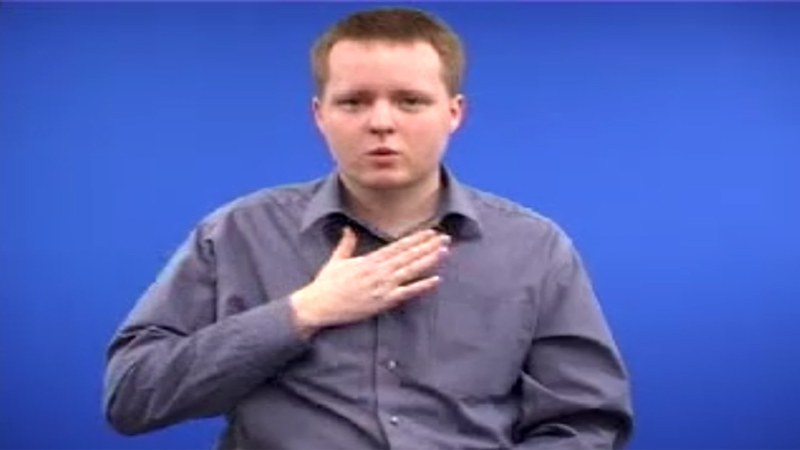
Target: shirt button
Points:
x,y
392,364
394,420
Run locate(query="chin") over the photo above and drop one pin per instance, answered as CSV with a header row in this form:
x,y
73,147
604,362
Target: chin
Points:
x,y
383,181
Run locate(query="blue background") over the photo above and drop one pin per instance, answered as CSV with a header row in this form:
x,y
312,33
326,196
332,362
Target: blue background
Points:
x,y
664,137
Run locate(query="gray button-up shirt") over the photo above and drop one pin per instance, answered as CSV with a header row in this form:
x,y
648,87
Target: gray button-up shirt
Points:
x,y
510,351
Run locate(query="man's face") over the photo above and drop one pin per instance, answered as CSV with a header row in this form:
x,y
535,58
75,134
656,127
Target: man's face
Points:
x,y
386,114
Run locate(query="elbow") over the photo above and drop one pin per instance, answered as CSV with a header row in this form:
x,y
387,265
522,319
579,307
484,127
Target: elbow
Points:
x,y
125,419
126,410
132,412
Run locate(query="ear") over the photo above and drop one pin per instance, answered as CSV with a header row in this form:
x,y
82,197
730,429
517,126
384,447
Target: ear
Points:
x,y
458,105
316,109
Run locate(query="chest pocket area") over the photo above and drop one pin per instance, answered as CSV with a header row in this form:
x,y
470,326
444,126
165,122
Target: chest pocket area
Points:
x,y
479,340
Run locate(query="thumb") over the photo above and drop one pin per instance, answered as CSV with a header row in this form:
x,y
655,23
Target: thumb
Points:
x,y
346,246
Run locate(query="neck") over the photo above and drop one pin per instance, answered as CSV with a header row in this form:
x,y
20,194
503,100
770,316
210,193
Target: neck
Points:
x,y
395,211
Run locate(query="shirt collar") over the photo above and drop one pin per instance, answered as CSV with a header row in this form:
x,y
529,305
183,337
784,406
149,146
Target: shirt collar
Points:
x,y
457,215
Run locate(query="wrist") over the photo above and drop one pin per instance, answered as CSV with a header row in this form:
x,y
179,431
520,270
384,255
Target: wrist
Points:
x,y
303,317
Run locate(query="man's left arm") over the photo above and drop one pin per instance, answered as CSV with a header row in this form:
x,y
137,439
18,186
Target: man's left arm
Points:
x,y
576,389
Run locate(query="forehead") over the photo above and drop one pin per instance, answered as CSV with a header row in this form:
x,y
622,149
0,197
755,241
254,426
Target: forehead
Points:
x,y
377,65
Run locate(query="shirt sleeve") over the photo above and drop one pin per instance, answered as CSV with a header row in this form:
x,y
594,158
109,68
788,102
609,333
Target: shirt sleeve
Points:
x,y
576,392
172,360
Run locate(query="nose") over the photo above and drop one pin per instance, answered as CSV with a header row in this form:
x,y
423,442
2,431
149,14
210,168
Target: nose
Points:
x,y
381,118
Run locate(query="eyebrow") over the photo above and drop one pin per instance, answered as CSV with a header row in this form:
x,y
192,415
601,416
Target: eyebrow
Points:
x,y
370,93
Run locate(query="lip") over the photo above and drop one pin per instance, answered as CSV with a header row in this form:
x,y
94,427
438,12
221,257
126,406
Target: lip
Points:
x,y
382,151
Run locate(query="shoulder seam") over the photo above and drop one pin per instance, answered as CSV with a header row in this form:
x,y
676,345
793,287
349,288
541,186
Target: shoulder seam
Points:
x,y
508,207
286,194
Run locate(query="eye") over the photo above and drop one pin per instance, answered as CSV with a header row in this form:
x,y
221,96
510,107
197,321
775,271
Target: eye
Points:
x,y
413,102
349,102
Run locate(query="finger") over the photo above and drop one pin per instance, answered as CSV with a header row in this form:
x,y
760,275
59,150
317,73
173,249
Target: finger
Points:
x,y
415,289
410,250
402,245
418,267
346,246
419,252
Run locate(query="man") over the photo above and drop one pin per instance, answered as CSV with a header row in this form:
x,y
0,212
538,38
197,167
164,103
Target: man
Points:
x,y
384,306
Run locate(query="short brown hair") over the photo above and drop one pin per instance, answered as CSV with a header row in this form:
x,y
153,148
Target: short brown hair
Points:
x,y
404,25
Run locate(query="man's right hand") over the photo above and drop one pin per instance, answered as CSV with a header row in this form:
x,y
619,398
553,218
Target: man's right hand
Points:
x,y
351,288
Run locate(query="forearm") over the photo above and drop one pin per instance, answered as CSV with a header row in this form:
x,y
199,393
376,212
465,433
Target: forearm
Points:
x,y
576,389
156,377
575,395
595,430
